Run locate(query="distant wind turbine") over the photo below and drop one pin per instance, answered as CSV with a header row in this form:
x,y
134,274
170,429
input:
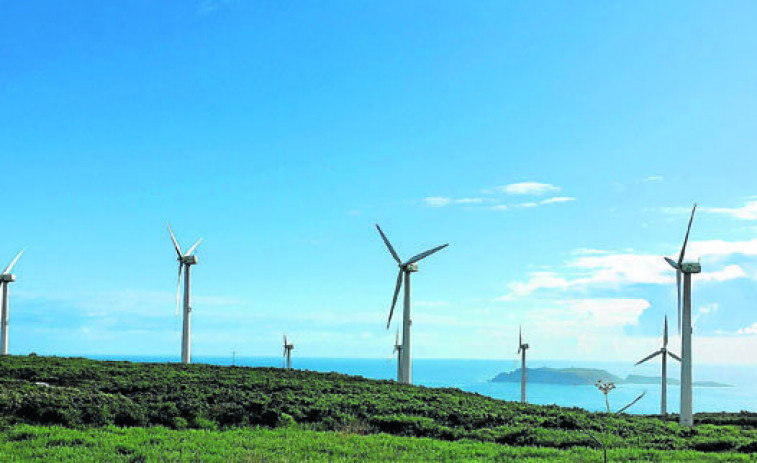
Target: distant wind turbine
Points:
x,y
522,351
288,347
686,417
5,279
664,352
406,269
186,261
398,350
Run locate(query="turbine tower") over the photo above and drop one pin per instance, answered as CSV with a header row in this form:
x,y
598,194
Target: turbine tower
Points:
x,y
664,352
398,350
288,353
186,261
522,351
5,279
684,326
406,269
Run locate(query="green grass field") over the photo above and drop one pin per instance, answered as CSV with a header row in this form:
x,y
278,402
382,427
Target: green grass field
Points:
x,y
25,442
86,409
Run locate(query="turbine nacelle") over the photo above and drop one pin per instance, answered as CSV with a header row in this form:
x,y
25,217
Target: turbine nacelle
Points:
x,y
188,260
691,267
410,268
7,278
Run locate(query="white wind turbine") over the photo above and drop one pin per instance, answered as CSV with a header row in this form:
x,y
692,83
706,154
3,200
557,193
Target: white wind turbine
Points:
x,y
664,352
406,269
5,279
398,350
288,347
186,261
522,351
686,417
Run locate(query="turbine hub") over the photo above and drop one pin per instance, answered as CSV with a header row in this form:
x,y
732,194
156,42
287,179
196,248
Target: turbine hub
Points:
x,y
8,277
411,268
691,267
188,260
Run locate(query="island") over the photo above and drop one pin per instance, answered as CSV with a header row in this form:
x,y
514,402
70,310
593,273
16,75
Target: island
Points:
x,y
583,376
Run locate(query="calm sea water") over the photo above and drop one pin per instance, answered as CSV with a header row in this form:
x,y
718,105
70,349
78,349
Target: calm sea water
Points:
x,y
475,376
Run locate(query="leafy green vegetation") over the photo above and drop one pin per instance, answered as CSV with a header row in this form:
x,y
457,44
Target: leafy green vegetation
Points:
x,y
200,399
25,442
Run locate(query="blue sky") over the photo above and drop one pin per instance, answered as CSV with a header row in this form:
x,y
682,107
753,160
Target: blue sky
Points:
x,y
557,147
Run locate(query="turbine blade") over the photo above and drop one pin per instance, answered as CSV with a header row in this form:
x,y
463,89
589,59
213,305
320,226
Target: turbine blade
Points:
x,y
173,238
674,356
519,348
665,333
394,299
425,254
634,401
178,288
686,239
285,340
389,246
678,287
672,263
10,267
520,337
189,252
397,338
648,357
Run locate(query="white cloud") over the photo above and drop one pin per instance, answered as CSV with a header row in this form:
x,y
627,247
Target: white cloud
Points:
x,y
557,199
442,201
746,212
607,312
749,329
720,249
582,251
469,201
529,204
528,188
437,201
730,272
536,281
594,268
704,312
653,178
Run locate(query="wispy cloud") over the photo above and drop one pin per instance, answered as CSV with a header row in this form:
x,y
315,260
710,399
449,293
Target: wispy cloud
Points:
x,y
752,329
654,178
528,188
442,201
607,312
746,212
557,199
704,312
599,269
495,202
437,201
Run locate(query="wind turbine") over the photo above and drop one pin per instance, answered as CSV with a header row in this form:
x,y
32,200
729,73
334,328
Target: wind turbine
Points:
x,y
398,350
5,279
522,351
664,351
288,353
406,269
186,261
686,417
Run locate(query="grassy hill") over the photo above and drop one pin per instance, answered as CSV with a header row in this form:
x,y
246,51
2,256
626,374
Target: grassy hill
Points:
x,y
76,393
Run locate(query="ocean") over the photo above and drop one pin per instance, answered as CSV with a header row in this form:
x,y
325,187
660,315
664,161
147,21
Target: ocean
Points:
x,y
475,376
